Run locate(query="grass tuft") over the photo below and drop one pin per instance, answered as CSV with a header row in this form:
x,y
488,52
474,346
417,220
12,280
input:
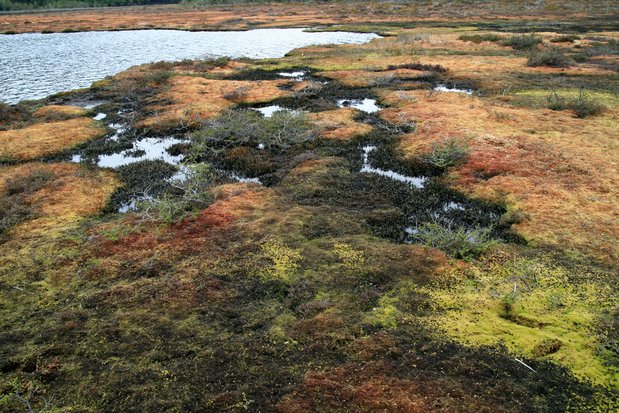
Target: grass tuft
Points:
x,y
14,207
583,104
568,38
521,42
457,242
552,57
192,196
447,154
478,38
248,127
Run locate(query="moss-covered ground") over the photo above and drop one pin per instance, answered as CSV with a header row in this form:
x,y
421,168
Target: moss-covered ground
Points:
x,y
488,284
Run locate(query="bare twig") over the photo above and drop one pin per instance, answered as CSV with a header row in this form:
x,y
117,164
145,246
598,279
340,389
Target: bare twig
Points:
x,y
526,365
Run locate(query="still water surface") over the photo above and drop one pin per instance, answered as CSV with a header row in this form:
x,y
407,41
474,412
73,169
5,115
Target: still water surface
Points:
x,y
36,65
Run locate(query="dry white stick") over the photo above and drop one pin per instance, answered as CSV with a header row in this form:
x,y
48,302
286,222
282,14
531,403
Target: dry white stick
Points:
x,y
526,365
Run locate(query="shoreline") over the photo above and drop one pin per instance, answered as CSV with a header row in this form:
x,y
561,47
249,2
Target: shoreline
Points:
x,y
282,15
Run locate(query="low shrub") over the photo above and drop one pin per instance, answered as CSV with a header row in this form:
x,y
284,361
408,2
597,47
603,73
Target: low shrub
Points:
x,y
158,78
13,210
14,207
247,127
551,56
191,195
10,114
419,66
28,183
521,42
478,38
446,154
583,104
556,102
568,38
456,241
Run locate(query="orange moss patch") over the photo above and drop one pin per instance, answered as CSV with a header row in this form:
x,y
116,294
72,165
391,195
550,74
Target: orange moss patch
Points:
x,y
47,138
235,204
348,58
229,68
372,388
366,65
195,99
363,78
497,73
72,193
339,124
204,67
192,243
59,112
314,165
557,169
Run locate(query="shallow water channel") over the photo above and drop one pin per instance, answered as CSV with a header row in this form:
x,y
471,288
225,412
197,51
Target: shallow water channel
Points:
x,y
35,65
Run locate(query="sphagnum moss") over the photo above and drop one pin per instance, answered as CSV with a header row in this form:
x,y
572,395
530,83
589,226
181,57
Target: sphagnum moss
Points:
x,y
296,297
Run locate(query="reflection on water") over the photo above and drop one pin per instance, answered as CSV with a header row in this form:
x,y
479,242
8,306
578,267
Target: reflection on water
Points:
x,y
36,65
416,182
298,76
364,105
444,88
146,149
268,111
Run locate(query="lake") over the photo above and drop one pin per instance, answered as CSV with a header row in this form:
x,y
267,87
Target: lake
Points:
x,y
35,65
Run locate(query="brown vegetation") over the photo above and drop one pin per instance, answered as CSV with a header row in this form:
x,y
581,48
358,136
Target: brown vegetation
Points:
x,y
41,139
194,99
241,17
339,124
539,161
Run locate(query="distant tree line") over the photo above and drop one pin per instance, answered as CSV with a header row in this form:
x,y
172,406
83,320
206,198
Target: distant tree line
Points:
x,y
10,5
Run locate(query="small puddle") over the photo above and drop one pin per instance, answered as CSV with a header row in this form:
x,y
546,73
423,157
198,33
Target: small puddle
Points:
x,y
445,88
416,182
364,105
268,111
298,76
148,149
119,129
